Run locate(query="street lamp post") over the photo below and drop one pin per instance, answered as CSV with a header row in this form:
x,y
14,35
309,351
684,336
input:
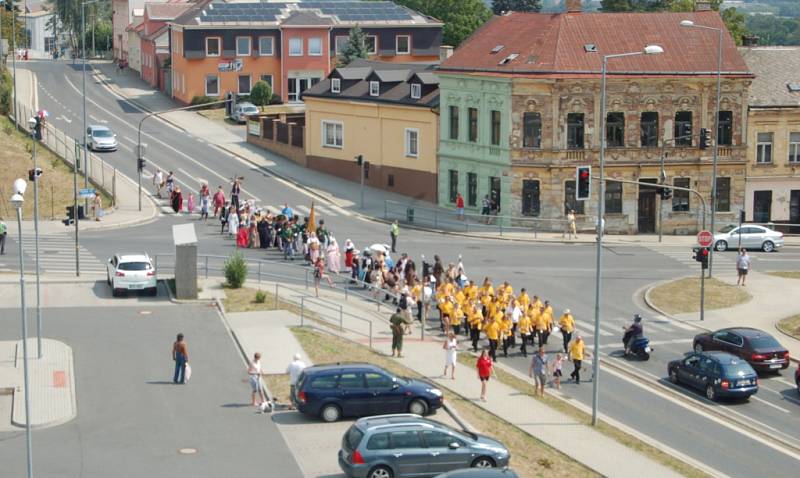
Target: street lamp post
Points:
x,y
32,124
648,50
17,201
691,24
14,57
83,133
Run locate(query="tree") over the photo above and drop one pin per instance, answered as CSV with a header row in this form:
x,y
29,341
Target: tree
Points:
x,y
460,17
356,47
500,6
261,94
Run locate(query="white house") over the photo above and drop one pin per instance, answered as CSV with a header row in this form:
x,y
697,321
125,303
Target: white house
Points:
x,y
36,16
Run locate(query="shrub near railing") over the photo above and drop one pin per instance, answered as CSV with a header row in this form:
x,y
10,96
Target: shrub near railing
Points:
x,y
235,270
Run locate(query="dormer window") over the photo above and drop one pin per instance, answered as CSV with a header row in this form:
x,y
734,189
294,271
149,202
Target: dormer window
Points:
x,y
416,91
336,85
374,88
508,59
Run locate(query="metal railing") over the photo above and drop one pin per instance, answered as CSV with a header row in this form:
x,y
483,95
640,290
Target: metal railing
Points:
x,y
470,222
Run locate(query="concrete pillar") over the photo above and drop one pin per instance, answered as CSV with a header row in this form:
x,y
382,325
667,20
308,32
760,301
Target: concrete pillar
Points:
x,y
185,261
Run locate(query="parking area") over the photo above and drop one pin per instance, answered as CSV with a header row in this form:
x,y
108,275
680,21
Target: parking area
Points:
x,y
315,444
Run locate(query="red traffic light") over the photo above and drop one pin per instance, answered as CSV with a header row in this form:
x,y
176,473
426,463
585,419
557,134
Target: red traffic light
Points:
x,y
584,174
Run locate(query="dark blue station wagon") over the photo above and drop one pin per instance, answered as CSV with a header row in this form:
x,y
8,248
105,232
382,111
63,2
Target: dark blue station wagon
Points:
x,y
333,391
718,374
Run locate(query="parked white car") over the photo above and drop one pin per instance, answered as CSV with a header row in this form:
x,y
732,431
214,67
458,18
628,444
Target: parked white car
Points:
x,y
243,110
131,272
748,236
101,138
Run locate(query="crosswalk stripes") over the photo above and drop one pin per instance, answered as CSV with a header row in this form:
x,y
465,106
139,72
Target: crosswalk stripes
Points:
x,y
321,211
684,256
57,254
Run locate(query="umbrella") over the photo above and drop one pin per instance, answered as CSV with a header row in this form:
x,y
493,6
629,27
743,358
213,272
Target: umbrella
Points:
x,y
43,114
312,221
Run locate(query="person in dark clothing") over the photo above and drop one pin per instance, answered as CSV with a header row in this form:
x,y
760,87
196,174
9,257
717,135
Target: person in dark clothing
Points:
x,y
438,269
262,233
235,190
223,217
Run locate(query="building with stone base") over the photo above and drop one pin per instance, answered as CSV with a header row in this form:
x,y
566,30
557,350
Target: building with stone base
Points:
x,y
520,109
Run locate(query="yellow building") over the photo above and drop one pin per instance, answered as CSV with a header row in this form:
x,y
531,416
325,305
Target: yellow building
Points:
x,y
385,113
772,188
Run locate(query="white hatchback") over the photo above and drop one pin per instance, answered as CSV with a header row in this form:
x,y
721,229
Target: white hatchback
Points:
x,y
131,272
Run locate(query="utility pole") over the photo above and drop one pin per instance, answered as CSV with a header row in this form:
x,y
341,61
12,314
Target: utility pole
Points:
x,y
36,241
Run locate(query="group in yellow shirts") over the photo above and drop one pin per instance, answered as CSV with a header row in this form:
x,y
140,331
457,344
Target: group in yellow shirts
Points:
x,y
503,316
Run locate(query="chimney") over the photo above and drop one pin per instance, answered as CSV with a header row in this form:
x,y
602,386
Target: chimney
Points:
x,y
573,6
702,5
445,52
750,40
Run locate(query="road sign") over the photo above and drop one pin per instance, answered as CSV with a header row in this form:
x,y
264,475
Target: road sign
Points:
x,y
705,238
87,193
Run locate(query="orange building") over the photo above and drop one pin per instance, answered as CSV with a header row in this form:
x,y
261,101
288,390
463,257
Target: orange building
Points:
x,y
218,48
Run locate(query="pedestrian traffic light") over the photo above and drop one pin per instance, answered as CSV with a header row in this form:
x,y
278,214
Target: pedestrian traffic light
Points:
x,y
140,164
705,138
583,180
359,159
701,256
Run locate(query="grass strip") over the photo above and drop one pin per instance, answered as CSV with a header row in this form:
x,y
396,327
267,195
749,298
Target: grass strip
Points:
x,y
530,457
785,274
790,326
683,295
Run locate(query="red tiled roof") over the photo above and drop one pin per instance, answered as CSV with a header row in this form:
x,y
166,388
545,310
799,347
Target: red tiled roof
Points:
x,y
554,44
166,11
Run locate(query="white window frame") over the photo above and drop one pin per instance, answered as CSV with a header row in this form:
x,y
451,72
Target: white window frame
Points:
x,y
219,46
397,45
336,48
310,51
416,91
271,46
374,88
249,46
271,79
336,85
295,40
374,51
205,85
408,133
794,148
761,147
238,84
334,124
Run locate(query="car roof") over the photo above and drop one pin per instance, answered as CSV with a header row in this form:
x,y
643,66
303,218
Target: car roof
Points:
x,y
721,357
353,366
480,473
133,257
97,127
246,104
401,419
747,332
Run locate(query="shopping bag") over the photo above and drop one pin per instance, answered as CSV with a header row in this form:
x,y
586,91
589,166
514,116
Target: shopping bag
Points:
x,y
187,372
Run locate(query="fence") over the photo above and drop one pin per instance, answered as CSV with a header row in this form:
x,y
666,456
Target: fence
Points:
x,y
469,222
101,174
292,283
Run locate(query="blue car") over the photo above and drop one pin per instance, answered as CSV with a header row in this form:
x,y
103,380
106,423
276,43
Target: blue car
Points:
x,y
333,391
718,374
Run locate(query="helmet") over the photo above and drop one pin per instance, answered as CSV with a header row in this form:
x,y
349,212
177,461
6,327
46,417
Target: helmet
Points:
x,y
637,318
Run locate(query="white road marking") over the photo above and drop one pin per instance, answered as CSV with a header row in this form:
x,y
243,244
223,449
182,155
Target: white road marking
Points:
x,y
126,147
185,173
652,343
302,209
64,118
130,140
97,120
758,399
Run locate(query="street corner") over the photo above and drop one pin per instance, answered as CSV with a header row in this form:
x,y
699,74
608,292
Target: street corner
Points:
x,y
51,398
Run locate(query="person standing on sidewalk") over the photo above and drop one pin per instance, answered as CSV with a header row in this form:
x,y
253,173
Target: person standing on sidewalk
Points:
x,y
576,352
567,325
485,370
569,228
394,231
254,372
538,370
460,206
397,323
295,367
742,266
180,355
450,347
3,235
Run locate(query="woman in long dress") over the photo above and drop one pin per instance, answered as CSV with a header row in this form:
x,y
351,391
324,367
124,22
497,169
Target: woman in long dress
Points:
x,y
177,199
242,237
233,222
450,347
313,248
253,241
334,256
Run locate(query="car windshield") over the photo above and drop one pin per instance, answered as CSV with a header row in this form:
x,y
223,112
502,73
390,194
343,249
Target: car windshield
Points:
x,y
727,228
737,369
102,133
251,109
134,266
764,342
354,436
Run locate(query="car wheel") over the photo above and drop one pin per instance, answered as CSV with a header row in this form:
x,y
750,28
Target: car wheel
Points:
x,y
721,246
768,246
483,462
153,291
418,407
698,347
798,387
380,472
711,394
673,376
108,278
115,292
330,413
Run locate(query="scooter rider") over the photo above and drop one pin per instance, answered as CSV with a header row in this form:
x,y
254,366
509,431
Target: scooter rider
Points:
x,y
632,332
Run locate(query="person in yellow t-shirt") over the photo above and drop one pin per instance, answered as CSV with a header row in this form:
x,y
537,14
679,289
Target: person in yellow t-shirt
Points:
x,y
446,308
524,327
416,296
506,333
458,317
475,317
576,353
492,331
567,325
536,303
523,299
471,291
486,288
543,321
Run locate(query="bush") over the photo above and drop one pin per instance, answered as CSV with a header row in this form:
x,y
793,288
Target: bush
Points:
x,y
202,100
261,94
6,87
235,270
276,100
261,297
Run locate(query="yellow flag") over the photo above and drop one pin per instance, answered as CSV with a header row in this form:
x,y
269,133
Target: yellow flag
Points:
x,y
312,221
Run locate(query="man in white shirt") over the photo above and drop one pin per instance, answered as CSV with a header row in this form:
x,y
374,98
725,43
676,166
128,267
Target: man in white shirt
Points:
x,y
294,369
158,181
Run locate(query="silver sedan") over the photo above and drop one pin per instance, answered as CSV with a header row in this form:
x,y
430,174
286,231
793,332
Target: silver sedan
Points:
x,y
748,236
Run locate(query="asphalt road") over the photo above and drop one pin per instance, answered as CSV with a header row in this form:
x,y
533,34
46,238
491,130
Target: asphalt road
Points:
x,y
131,419
563,274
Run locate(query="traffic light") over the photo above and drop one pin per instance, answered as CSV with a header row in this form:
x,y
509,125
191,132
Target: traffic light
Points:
x,y
359,159
34,174
701,256
666,193
705,138
37,129
583,180
140,164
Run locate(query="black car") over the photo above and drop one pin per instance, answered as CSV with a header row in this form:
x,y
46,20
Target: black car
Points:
x,y
719,374
480,473
337,390
757,347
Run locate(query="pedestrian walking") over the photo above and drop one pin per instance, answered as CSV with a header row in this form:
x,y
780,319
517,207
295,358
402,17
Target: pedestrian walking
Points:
x,y
255,373
319,274
190,204
397,323
233,222
486,208
3,235
570,229
460,206
204,199
236,188
97,207
295,367
538,370
176,199
485,368
169,183
180,355
333,256
742,266
558,363
219,200
450,347
158,182
576,353
567,325
393,233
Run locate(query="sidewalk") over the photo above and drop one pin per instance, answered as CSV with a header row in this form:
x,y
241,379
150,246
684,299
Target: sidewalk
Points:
x,y
769,304
574,439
